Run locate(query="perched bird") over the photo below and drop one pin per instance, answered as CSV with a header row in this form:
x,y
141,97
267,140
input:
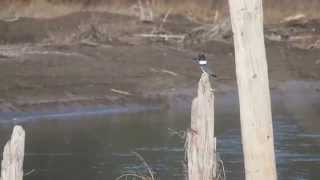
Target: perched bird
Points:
x,y
203,63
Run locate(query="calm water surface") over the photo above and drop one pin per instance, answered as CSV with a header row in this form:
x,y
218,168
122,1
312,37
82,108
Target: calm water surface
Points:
x,y
98,145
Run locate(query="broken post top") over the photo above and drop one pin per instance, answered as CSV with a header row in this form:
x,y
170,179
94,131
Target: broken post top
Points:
x,y
13,156
201,145
17,139
14,148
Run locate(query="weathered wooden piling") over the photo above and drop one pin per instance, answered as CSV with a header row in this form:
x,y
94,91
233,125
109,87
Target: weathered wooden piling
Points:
x,y
201,144
13,154
253,87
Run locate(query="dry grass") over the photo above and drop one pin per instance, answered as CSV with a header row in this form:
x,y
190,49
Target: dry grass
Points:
x,y
277,10
137,175
191,9
93,31
37,9
204,11
45,9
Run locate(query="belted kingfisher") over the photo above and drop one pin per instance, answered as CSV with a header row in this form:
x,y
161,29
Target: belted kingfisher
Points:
x,y
203,63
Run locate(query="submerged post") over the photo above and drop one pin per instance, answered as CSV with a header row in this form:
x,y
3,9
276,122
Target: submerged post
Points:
x,y
253,87
201,144
13,154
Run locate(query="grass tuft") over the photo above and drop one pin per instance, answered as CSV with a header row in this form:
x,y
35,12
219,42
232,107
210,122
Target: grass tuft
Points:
x,y
135,176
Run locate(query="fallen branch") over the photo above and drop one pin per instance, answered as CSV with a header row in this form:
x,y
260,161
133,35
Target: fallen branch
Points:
x,y
164,36
164,71
121,92
169,72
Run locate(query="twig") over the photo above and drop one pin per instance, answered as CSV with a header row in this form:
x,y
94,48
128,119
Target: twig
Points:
x,y
121,92
144,163
166,16
169,72
131,175
164,20
30,172
221,167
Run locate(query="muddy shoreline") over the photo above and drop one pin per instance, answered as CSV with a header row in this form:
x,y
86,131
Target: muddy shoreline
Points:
x,y
57,63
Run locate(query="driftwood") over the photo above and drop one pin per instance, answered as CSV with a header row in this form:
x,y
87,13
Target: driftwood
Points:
x,y
163,36
120,92
13,154
253,87
201,144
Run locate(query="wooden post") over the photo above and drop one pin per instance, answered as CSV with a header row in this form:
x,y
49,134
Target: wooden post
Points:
x,y
13,154
253,87
201,144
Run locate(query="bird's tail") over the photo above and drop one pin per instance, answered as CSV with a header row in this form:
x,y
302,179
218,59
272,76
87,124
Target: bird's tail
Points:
x,y
213,75
208,71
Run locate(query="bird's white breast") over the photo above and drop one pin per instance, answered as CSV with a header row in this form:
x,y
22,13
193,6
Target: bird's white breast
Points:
x,y
201,62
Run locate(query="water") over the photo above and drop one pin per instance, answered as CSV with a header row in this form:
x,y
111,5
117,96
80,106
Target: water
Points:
x,y
99,145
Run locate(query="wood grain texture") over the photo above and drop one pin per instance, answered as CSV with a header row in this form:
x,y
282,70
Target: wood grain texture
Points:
x,y
13,156
201,147
253,87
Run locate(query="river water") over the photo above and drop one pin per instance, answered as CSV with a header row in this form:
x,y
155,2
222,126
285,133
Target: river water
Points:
x,y
97,144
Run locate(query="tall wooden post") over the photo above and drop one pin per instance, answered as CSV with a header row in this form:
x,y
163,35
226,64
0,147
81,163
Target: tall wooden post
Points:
x,y
201,144
253,86
13,154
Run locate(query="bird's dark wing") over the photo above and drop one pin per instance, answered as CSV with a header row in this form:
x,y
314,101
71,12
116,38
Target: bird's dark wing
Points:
x,y
205,69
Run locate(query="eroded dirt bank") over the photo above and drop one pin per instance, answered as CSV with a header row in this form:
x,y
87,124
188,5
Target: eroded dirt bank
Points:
x,y
98,59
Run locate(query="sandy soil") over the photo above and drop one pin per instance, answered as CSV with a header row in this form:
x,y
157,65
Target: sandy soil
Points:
x,y
97,59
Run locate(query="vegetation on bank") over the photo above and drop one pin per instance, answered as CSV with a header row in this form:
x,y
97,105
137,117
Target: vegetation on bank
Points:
x,y
198,10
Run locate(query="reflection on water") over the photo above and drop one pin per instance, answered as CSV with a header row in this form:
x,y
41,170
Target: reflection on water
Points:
x,y
98,147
